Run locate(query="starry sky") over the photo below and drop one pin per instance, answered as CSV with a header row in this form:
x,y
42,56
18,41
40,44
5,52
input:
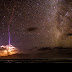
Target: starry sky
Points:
x,y
36,23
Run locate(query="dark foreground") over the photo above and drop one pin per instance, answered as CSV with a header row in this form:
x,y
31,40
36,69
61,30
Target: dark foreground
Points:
x,y
41,55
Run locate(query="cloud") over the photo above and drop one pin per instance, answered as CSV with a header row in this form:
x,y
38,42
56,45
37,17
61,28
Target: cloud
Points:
x,y
32,29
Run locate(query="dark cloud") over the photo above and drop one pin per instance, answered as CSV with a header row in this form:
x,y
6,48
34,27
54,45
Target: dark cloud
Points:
x,y
69,34
32,29
44,48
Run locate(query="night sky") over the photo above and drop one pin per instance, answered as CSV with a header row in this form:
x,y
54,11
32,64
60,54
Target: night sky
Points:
x,y
36,23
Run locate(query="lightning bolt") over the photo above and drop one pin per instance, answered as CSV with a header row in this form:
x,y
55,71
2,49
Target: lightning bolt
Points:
x,y
11,18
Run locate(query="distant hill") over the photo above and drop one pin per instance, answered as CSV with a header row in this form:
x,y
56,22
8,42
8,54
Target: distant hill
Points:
x,y
43,53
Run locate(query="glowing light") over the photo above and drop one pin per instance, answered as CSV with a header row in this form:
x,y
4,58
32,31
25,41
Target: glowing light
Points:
x,y
5,51
8,50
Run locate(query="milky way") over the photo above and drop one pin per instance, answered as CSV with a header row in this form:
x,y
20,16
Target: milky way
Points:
x,y
36,23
